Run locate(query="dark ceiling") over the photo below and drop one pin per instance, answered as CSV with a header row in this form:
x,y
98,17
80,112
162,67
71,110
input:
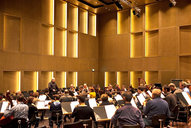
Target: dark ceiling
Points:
x,y
102,6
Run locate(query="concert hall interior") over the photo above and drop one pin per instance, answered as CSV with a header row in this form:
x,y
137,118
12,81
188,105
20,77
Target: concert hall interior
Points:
x,y
95,63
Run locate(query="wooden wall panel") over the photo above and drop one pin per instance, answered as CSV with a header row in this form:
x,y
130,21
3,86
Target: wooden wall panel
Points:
x,y
31,36
29,81
137,22
185,67
72,17
1,30
185,37
60,13
60,42
151,77
45,77
137,45
12,33
123,22
168,41
152,16
60,79
167,16
167,76
10,81
151,43
108,24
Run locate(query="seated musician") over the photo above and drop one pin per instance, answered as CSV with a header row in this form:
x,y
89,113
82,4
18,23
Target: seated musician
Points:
x,y
32,114
82,111
92,93
18,111
55,106
66,97
35,95
156,106
127,115
104,99
170,98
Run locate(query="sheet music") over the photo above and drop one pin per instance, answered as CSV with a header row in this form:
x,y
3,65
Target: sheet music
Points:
x,y
75,93
141,98
150,93
4,106
73,104
14,102
42,97
144,94
41,105
186,96
118,97
47,102
92,102
134,94
100,112
110,110
133,103
162,96
66,108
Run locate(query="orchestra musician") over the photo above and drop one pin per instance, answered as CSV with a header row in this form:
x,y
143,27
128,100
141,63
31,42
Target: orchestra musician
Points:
x,y
18,111
55,106
128,115
156,106
170,98
82,111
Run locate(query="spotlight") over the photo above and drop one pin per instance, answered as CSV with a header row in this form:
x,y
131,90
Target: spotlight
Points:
x,y
136,11
172,3
117,3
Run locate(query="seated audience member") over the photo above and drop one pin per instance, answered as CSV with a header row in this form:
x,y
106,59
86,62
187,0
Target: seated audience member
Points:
x,y
170,98
104,99
156,106
82,111
55,107
32,113
128,115
66,97
18,111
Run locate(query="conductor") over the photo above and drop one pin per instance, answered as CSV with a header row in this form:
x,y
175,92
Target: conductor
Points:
x,y
53,88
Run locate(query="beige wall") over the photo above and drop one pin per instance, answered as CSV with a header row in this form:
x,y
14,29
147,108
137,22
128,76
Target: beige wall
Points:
x,y
26,41
158,42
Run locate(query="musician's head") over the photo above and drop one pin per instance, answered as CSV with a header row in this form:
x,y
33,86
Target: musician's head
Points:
x,y
127,96
20,98
172,86
30,100
66,91
166,89
156,93
104,97
81,98
53,79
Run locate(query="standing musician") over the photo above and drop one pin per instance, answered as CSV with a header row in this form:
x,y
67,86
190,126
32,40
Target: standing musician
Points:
x,y
53,88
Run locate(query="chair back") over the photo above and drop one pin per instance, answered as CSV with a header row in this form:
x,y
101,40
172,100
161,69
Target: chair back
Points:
x,y
78,124
19,123
131,126
158,120
175,111
87,123
56,115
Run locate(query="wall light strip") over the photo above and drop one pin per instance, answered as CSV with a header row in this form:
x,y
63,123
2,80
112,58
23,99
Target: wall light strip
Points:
x,y
65,79
37,80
